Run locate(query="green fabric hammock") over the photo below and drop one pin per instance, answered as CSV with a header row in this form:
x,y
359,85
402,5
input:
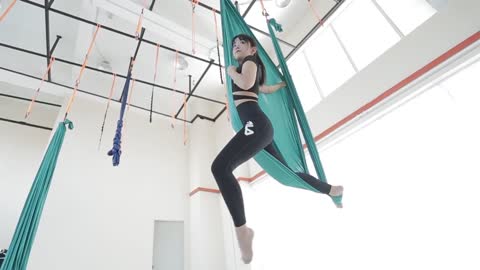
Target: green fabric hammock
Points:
x,y
283,107
21,245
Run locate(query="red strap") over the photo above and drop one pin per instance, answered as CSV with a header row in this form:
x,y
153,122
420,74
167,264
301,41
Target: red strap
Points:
x,y
185,119
174,84
30,106
9,8
140,21
315,12
112,88
77,82
156,64
194,4
264,10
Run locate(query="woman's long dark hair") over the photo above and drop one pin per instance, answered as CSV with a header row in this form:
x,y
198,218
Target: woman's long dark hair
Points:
x,y
249,39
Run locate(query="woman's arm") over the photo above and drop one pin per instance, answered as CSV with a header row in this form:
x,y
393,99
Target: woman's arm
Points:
x,y
268,89
246,79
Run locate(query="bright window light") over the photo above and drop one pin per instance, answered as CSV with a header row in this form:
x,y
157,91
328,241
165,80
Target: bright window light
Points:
x,y
411,192
365,32
304,83
407,14
329,62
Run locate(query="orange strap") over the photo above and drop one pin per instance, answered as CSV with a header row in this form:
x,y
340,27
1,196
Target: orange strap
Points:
x,y
140,21
218,44
111,89
9,8
174,83
227,108
175,70
30,106
315,12
156,64
216,24
77,82
264,10
185,119
139,25
194,4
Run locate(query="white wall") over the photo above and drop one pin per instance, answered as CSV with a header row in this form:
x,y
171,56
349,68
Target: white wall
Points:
x,y
205,241
102,217
440,33
22,149
209,235
168,248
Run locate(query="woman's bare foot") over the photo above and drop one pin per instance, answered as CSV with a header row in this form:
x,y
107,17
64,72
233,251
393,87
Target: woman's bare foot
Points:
x,y
245,241
336,191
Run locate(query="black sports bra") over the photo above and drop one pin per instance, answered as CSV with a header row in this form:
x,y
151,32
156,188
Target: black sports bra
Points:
x,y
254,88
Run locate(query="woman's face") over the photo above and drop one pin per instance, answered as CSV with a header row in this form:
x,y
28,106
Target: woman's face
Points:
x,y
242,49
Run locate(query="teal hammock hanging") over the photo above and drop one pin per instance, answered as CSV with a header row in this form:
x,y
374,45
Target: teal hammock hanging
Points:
x,y
23,238
283,108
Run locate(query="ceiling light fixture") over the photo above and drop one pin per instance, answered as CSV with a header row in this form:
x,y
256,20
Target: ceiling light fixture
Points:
x,y
182,63
282,3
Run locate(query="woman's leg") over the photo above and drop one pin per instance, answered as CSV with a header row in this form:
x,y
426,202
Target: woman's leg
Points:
x,y
322,187
243,146
255,135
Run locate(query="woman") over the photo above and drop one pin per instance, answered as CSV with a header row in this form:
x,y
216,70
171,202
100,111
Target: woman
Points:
x,y
257,134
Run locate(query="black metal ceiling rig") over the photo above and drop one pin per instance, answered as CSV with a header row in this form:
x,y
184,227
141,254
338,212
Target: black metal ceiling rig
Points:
x,y
106,98
48,8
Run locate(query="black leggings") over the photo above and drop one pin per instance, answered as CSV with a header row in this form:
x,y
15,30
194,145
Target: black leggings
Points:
x,y
256,134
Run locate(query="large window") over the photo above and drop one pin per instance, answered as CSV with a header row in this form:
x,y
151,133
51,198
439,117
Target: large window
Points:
x,y
365,32
362,31
329,62
411,191
304,81
407,14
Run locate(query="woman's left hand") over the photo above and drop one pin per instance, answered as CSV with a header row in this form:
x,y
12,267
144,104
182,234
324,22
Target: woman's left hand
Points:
x,y
231,70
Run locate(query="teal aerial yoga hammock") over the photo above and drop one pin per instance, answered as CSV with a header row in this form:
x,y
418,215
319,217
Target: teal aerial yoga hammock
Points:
x,y
283,108
22,241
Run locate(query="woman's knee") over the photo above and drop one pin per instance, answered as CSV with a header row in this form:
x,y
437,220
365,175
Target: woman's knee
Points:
x,y
218,166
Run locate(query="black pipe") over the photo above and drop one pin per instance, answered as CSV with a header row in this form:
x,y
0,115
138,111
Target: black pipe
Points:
x,y
248,8
315,28
55,44
24,124
113,30
195,88
220,113
253,28
99,96
105,72
142,33
47,36
26,99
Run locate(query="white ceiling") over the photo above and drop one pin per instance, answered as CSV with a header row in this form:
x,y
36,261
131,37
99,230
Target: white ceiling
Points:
x,y
25,28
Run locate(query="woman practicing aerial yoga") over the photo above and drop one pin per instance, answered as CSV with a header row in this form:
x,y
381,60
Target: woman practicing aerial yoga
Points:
x,y
256,135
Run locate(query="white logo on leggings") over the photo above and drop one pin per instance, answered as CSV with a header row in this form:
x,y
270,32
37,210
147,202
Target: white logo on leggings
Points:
x,y
248,131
